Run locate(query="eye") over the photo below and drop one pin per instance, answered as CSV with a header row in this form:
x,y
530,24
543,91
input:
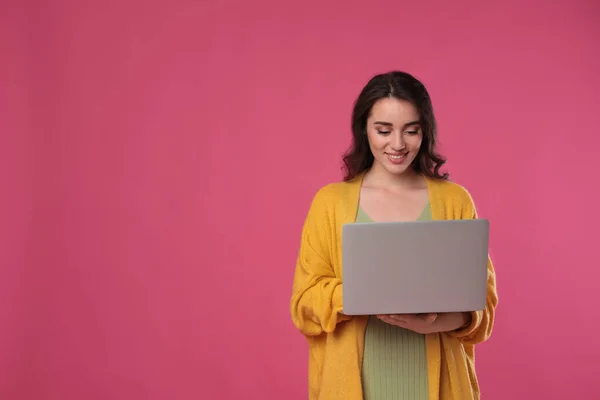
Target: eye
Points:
x,y
383,132
412,132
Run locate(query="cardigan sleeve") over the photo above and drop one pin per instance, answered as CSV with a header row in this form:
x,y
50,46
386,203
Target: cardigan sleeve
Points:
x,y
481,324
316,302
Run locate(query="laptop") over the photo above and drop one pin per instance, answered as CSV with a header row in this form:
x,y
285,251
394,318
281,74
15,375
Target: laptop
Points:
x,y
414,267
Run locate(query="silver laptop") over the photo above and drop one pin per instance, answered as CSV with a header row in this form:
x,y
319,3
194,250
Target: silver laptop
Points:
x,y
414,267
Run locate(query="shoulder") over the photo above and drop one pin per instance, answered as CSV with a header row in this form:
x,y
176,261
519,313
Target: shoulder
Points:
x,y
323,208
454,195
335,199
334,192
454,191
329,195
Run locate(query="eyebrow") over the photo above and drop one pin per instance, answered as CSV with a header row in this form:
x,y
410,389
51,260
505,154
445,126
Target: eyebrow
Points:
x,y
417,122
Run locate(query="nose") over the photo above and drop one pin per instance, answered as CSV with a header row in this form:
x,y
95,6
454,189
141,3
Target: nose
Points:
x,y
397,141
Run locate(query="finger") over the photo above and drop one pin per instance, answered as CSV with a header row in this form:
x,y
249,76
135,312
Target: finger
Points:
x,y
430,318
391,321
388,319
404,318
425,317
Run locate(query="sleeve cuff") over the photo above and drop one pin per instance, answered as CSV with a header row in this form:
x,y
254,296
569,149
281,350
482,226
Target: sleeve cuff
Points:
x,y
471,328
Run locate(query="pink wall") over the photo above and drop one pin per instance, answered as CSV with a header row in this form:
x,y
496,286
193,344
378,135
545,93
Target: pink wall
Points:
x,y
166,146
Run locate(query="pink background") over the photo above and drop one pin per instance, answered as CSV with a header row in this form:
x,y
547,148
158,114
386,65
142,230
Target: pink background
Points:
x,y
158,159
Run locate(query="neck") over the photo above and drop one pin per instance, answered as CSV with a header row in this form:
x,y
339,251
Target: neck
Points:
x,y
379,177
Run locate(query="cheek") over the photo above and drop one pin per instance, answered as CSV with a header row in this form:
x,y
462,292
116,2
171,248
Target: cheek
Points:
x,y
375,140
415,141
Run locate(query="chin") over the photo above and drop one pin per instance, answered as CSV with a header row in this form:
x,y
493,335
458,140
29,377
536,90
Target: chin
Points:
x,y
399,170
394,169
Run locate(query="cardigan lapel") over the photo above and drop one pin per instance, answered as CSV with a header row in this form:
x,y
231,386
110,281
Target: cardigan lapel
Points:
x,y
433,342
352,198
348,207
436,199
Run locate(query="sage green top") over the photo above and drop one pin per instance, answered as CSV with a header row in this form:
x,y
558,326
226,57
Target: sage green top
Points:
x,y
395,360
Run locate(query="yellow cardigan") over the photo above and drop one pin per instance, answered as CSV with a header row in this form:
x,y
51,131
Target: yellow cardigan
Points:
x,y
336,341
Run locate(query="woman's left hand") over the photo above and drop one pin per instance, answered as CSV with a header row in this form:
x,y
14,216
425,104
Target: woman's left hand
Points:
x,y
427,323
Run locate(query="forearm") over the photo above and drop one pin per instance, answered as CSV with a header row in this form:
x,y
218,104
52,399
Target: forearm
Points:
x,y
316,306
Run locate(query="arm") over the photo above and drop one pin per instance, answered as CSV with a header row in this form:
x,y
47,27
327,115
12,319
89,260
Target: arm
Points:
x,y
316,302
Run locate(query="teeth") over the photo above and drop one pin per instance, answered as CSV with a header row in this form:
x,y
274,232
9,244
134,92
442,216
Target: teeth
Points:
x,y
397,157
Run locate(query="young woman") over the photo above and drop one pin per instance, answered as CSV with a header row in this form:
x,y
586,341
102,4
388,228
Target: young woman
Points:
x,y
392,174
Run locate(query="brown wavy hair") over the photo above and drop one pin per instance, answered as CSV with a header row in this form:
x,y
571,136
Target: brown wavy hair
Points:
x,y
402,86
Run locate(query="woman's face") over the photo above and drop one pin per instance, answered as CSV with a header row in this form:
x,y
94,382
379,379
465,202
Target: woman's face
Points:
x,y
394,134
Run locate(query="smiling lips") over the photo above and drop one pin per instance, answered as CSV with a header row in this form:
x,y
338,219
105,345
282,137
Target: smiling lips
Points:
x,y
397,158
